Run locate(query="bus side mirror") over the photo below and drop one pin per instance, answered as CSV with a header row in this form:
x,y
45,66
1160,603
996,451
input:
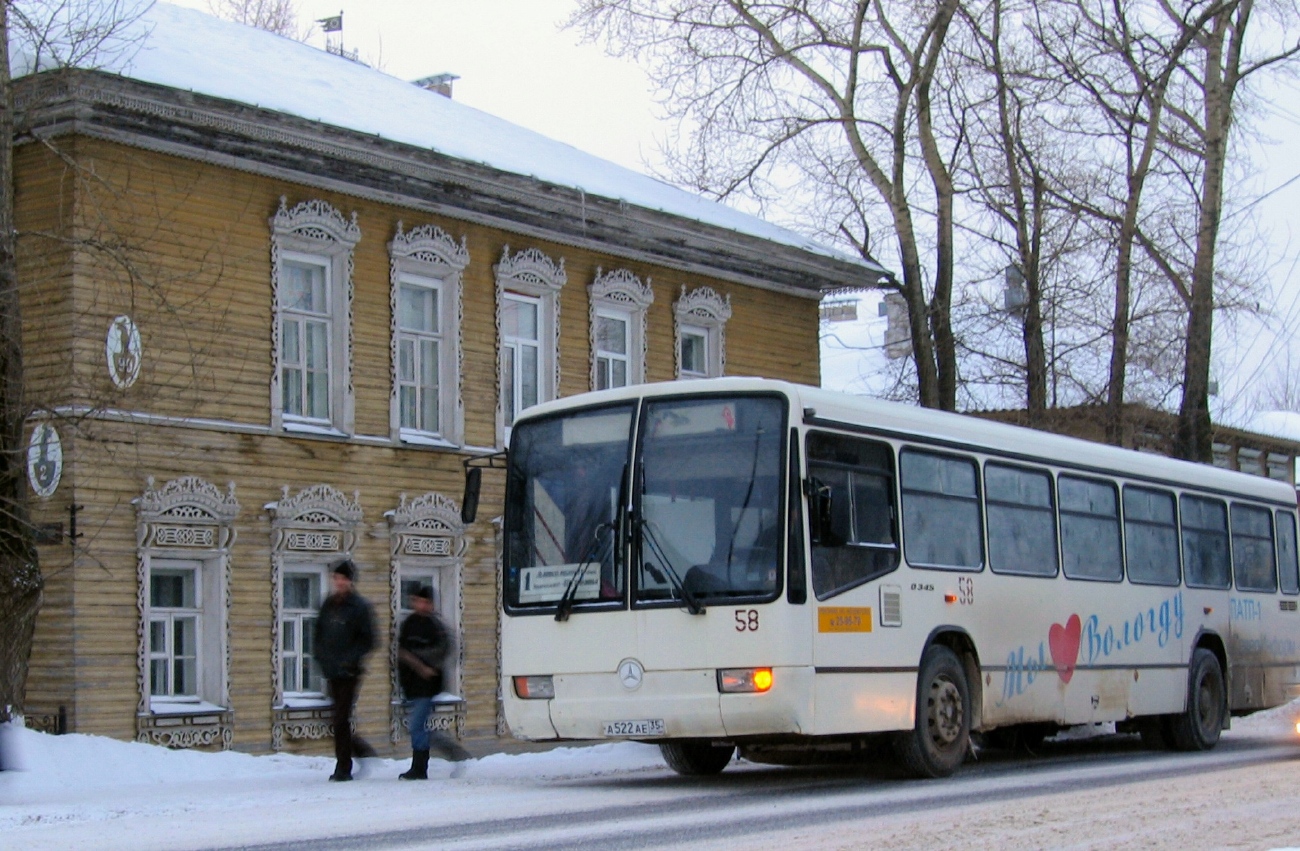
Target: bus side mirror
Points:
x,y
469,505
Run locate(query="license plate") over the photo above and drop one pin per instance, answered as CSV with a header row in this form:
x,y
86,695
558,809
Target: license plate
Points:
x,y
632,729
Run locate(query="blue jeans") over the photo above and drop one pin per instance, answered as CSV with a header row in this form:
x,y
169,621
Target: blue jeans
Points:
x,y
418,720
422,739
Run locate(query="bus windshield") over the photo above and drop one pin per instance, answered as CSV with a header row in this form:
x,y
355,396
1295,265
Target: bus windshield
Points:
x,y
709,499
562,494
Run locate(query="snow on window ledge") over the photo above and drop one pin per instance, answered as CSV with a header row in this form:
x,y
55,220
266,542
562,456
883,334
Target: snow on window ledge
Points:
x,y
311,428
159,706
424,438
305,701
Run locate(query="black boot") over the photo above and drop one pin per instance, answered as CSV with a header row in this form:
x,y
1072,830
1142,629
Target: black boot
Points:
x,y
419,767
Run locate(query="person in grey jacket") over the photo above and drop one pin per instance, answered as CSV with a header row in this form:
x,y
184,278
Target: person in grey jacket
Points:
x,y
344,635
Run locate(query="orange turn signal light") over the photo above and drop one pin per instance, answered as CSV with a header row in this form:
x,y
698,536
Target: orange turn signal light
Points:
x,y
950,598
744,680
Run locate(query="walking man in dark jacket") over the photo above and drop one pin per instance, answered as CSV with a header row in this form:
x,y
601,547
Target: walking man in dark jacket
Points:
x,y
345,633
423,647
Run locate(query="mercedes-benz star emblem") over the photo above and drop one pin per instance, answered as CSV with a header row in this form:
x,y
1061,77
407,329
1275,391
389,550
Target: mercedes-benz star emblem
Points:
x,y
630,673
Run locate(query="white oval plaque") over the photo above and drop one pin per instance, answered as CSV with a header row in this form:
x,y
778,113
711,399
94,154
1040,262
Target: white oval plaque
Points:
x,y
123,350
44,460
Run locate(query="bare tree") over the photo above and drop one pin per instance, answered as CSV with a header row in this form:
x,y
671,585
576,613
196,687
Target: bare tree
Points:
x,y
1222,62
277,16
841,92
51,34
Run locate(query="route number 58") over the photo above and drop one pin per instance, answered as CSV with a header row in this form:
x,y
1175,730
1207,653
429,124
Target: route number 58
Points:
x,y
746,620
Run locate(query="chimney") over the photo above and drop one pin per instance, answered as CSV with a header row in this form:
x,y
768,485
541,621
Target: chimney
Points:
x,y
440,83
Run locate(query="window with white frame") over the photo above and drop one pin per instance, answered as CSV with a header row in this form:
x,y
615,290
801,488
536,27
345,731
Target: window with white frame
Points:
x,y
613,349
619,302
311,278
528,321
303,590
175,618
306,329
419,354
521,353
693,349
425,267
700,320
184,638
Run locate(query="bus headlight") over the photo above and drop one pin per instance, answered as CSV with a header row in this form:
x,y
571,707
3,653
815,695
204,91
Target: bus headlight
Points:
x,y
535,688
744,680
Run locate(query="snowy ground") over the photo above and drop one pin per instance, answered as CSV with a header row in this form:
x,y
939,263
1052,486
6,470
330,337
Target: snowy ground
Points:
x,y
79,791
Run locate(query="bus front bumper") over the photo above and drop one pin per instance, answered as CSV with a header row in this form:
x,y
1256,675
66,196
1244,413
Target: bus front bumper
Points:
x,y
665,705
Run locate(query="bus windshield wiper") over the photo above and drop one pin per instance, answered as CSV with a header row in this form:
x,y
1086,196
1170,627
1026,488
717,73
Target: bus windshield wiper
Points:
x,y
744,506
693,605
565,605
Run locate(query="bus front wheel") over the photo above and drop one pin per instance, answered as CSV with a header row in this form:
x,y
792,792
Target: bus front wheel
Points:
x,y
1198,728
938,742
695,757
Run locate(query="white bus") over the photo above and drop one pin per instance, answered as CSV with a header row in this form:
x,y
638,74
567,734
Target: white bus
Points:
x,y
744,563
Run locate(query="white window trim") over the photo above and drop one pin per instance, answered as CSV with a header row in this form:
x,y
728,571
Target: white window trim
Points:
x,y
334,339
532,274
702,310
301,697
446,371
169,614
315,232
188,520
430,254
621,292
315,527
426,540
628,319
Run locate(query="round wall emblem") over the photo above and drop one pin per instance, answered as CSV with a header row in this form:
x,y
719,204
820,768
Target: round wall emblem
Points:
x,y
630,674
44,460
123,350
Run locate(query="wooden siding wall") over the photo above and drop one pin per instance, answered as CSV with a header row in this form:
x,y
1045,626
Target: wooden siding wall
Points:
x,y
43,197
191,264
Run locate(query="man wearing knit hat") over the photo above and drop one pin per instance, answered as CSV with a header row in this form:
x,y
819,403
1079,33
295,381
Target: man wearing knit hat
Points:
x,y
345,633
423,647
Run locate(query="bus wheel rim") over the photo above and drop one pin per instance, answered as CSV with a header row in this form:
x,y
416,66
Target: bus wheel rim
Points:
x,y
945,715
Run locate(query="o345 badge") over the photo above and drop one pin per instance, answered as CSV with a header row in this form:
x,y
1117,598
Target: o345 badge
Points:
x,y
44,460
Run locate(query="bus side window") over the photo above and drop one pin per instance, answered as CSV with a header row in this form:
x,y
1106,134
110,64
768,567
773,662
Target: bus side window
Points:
x,y
1253,551
851,508
1206,563
1022,520
1090,533
941,511
1286,552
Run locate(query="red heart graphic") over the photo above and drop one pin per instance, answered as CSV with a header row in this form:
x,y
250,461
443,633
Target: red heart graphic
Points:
x,y
1064,644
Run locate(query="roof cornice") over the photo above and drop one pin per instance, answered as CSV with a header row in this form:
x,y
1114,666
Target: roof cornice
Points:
x,y
271,143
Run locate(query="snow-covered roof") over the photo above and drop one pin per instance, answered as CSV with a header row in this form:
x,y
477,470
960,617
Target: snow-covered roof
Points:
x,y
193,51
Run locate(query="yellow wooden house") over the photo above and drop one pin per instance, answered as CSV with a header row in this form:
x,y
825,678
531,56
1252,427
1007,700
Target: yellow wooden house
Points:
x,y
273,301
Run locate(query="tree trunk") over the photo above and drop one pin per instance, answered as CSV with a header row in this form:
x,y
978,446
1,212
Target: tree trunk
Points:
x,y
1195,441
20,575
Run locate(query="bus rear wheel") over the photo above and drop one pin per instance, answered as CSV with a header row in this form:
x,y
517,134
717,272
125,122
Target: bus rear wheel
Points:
x,y
1198,728
694,757
937,744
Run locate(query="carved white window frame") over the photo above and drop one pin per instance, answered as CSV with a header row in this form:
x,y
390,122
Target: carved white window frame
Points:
x,y
312,529
702,310
532,274
315,232
621,293
427,539
191,520
428,253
